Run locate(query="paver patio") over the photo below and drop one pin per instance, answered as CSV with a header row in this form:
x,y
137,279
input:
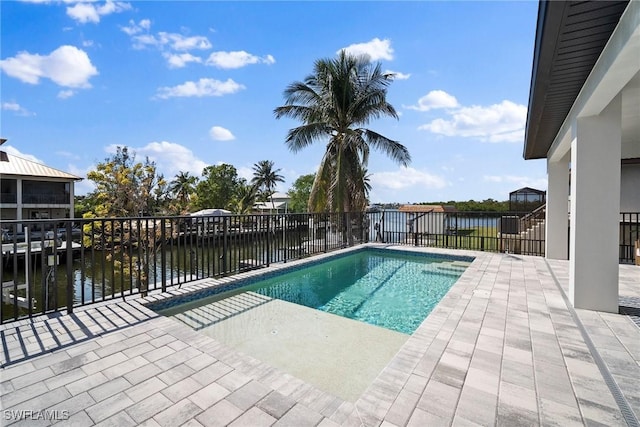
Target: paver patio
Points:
x,y
502,348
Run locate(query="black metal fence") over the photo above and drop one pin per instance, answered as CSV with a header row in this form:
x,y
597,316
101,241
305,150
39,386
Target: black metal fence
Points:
x,y
514,232
50,265
629,234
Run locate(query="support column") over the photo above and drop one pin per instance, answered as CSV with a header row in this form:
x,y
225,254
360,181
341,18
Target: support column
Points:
x,y
595,210
72,199
557,210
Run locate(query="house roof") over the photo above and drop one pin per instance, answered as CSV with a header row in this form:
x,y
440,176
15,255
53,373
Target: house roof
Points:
x,y
427,208
527,190
570,36
11,165
269,205
281,196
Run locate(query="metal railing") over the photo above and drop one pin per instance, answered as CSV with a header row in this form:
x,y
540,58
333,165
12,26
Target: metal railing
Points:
x,y
46,198
483,231
58,264
52,265
9,198
629,234
34,199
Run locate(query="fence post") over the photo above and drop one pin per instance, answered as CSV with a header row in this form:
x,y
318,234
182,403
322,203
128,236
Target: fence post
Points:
x,y
163,254
326,223
225,245
69,261
268,240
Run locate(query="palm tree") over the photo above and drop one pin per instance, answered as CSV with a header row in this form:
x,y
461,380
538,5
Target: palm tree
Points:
x,y
244,199
360,188
265,177
183,186
335,103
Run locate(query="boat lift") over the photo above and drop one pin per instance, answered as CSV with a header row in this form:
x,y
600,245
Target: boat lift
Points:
x,y
10,289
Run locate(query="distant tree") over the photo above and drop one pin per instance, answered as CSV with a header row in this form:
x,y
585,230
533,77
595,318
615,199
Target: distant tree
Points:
x,y
487,205
83,204
299,193
218,186
334,105
266,178
183,187
126,188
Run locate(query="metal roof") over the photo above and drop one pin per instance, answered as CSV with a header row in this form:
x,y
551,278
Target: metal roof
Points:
x,y
427,208
17,166
570,37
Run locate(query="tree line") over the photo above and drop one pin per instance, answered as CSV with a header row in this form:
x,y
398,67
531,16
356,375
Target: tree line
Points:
x,y
125,187
486,205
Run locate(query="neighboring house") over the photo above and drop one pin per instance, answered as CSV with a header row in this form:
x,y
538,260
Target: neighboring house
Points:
x,y
584,119
280,204
429,219
31,190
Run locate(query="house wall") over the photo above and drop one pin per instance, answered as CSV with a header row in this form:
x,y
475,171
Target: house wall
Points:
x,y
630,188
431,223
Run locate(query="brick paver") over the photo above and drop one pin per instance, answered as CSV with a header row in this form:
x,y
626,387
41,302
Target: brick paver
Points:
x,y
500,349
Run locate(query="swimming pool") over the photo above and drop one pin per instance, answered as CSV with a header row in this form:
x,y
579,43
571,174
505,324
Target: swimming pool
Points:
x,y
392,289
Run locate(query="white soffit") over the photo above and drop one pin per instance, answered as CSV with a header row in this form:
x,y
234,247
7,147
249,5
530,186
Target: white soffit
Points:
x,y
615,68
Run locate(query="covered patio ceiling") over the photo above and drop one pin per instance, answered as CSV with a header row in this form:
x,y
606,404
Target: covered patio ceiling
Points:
x,y
570,37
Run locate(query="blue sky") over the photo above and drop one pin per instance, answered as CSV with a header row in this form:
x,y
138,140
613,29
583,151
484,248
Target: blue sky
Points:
x,y
192,84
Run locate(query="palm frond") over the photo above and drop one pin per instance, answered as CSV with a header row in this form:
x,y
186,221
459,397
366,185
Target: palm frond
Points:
x,y
393,149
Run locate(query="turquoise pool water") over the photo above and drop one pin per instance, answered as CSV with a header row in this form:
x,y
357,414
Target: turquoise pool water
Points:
x,y
392,289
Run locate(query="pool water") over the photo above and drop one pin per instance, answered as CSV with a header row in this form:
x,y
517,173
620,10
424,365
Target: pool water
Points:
x,y
394,291
391,289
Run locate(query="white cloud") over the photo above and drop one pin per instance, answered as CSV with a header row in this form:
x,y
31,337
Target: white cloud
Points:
x,y
180,60
170,158
87,43
11,106
407,177
16,108
67,93
397,75
203,87
219,133
174,46
375,49
237,59
519,181
67,66
15,152
171,40
502,122
84,12
133,28
434,100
